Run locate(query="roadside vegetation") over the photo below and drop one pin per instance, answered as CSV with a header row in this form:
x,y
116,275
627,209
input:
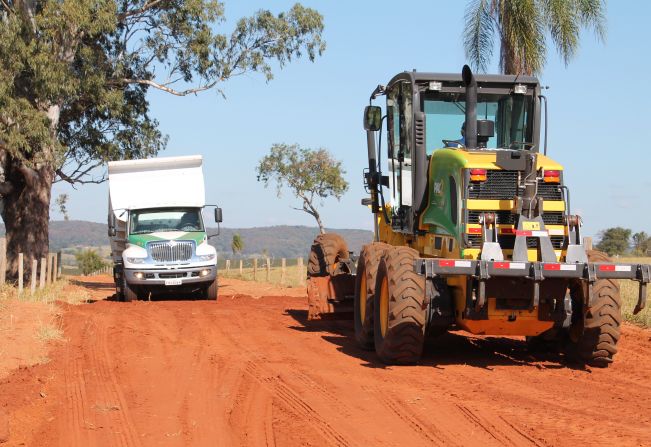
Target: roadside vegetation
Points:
x,y
294,274
629,294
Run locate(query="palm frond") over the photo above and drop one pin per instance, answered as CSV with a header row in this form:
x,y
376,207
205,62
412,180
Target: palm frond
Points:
x,y
479,34
563,22
523,34
592,15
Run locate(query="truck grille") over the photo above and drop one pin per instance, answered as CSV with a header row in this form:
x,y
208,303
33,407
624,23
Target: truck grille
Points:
x,y
507,218
503,185
171,251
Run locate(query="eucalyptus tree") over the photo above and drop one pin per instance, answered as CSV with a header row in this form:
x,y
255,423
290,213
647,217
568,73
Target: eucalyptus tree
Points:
x,y
522,28
74,77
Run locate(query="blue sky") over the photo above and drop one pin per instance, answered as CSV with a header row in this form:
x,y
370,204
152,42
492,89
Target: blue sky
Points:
x,y
599,107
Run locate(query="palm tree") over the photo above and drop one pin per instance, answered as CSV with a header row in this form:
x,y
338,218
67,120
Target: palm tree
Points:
x,y
522,26
237,245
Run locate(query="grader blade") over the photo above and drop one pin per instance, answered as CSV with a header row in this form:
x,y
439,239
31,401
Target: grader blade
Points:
x,y
330,297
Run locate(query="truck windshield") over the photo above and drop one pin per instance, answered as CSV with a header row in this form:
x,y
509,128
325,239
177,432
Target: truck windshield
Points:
x,y
165,219
512,114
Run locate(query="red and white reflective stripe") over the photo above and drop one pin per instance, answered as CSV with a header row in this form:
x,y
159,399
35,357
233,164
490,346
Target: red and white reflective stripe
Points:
x,y
474,230
614,268
537,233
556,232
561,267
454,263
509,265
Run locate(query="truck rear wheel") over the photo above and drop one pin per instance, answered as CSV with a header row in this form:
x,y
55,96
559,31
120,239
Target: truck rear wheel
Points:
x,y
211,292
327,250
399,308
128,292
367,267
594,339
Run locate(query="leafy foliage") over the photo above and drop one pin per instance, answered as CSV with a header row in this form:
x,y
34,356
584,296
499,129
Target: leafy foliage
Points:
x,y
614,241
641,244
61,203
89,261
310,175
237,244
522,27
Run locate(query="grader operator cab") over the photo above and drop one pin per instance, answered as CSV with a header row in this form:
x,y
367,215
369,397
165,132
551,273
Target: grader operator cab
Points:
x,y
473,228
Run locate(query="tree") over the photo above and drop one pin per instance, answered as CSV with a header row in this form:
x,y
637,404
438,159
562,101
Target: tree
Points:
x,y
237,245
89,261
74,77
310,175
641,243
522,27
614,241
61,202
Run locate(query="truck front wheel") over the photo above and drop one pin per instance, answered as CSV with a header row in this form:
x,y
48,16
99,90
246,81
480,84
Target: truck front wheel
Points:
x,y
211,291
128,292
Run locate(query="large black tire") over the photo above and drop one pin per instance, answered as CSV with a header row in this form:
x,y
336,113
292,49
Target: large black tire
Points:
x,y
327,250
399,316
367,265
129,293
594,338
211,292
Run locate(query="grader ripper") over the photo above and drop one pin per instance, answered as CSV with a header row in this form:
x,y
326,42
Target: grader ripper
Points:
x,y
473,228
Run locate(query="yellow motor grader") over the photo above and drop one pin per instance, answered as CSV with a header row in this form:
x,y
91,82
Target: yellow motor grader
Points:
x,y
473,228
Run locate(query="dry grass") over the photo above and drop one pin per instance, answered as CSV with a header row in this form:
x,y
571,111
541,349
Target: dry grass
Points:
x,y
49,332
60,290
294,275
629,293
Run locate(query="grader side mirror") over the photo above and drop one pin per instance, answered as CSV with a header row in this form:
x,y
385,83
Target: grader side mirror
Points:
x,y
218,215
372,118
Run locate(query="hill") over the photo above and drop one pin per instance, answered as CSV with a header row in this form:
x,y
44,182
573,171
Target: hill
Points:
x,y
278,241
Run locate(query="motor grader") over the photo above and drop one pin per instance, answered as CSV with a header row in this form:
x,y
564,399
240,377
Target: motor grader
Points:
x,y
473,228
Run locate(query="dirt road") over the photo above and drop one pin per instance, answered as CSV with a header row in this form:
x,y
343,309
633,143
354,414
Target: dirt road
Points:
x,y
252,371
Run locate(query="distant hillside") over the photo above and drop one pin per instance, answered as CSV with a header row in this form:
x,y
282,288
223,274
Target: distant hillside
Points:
x,y
278,241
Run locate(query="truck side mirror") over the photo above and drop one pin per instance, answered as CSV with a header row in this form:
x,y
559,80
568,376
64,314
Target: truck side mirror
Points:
x,y
218,215
373,118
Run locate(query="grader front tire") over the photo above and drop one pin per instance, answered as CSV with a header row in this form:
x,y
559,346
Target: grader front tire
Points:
x,y
399,308
367,267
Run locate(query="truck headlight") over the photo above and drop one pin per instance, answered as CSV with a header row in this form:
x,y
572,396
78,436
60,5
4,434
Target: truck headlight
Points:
x,y
136,260
206,257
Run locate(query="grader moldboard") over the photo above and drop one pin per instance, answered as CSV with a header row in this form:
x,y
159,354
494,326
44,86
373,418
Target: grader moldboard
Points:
x,y
473,231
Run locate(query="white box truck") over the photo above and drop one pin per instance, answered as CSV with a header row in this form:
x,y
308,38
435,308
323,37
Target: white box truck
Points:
x,y
158,238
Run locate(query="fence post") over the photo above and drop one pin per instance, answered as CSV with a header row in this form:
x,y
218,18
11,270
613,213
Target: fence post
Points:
x,y
41,284
21,272
3,260
55,267
587,243
50,268
255,268
268,270
228,266
34,275
282,272
59,264
241,270
301,276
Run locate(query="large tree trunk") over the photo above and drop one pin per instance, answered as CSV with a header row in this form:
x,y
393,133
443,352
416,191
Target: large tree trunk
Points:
x,y
26,214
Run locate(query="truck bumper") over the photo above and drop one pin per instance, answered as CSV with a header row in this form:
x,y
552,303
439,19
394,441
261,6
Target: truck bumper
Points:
x,y
169,277
537,272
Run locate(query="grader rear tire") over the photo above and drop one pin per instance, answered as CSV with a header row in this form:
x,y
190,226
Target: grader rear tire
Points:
x,y
327,250
596,344
367,267
399,308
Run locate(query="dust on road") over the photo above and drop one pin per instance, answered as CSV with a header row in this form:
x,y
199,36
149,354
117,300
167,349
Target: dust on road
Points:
x,y
251,370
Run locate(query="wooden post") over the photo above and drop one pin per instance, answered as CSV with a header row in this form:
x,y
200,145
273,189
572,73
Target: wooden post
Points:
x,y
228,265
21,272
55,267
41,284
241,270
50,268
268,270
3,260
34,275
587,243
282,272
59,264
301,276
255,268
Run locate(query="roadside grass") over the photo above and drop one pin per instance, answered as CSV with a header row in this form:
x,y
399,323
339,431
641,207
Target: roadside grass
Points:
x,y
294,275
49,331
629,293
60,290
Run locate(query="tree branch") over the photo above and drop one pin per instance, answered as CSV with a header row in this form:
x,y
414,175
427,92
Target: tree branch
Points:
x,y
30,174
167,89
135,12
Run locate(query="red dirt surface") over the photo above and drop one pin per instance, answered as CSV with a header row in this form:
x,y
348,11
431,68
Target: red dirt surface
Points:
x,y
251,372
